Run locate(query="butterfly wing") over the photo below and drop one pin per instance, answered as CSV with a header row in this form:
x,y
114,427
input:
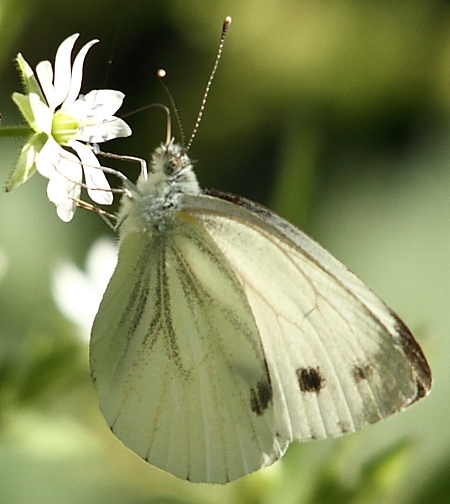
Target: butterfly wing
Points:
x,y
339,359
177,361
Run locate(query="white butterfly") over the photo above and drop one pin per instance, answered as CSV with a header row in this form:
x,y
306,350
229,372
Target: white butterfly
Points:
x,y
225,333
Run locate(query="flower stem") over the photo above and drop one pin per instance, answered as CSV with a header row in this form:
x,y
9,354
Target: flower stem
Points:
x,y
15,131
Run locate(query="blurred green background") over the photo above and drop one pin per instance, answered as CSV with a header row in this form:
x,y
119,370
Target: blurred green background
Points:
x,y
336,114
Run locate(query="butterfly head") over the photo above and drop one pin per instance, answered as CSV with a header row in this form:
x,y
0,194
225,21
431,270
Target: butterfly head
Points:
x,y
171,171
170,160
156,196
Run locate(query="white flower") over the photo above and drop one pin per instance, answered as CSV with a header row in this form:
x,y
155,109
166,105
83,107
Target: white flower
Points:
x,y
78,294
64,124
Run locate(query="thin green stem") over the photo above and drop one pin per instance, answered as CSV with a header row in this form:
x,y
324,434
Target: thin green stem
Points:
x,y
15,131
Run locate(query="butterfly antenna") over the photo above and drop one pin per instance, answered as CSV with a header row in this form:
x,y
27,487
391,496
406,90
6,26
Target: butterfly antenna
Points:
x,y
225,26
161,106
162,75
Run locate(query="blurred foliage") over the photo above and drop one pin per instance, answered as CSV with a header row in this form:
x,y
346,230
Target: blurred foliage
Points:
x,y
336,114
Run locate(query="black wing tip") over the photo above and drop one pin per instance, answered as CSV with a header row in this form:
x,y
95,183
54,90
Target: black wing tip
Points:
x,y
416,357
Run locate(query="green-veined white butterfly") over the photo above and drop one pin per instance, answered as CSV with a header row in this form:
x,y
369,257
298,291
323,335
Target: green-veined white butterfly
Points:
x,y
225,333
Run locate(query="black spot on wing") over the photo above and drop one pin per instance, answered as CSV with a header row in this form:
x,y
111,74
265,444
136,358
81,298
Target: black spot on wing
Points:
x,y
361,372
310,379
345,426
415,356
261,397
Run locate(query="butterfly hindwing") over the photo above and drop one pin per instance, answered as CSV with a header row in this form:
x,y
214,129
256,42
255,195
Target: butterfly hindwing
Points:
x,y
339,359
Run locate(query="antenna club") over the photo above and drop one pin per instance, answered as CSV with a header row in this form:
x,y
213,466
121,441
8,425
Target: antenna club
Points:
x,y
161,73
226,23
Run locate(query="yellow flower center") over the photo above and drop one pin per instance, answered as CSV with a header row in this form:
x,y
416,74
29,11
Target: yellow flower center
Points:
x,y
64,127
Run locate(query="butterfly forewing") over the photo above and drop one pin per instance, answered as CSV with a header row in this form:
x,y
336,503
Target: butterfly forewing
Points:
x,y
338,358
177,361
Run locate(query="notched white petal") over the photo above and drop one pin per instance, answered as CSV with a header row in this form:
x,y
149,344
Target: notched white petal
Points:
x,y
43,116
44,71
77,75
63,72
94,113
97,185
47,158
65,186
66,210
99,132
117,128
104,102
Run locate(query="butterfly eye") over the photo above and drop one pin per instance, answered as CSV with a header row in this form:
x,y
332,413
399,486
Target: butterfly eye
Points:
x,y
172,166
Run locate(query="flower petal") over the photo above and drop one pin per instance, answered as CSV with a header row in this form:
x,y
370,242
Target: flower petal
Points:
x,y
44,71
100,264
63,73
43,116
103,103
76,293
47,158
95,132
77,74
97,185
65,186
66,210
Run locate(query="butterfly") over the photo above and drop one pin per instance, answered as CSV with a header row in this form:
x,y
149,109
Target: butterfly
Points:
x,y
225,333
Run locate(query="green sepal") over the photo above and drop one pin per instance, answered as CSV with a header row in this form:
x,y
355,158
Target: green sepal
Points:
x,y
26,164
23,104
29,81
